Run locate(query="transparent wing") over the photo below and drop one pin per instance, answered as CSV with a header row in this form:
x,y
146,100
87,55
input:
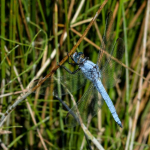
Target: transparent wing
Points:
x,y
71,82
108,39
86,108
111,71
112,51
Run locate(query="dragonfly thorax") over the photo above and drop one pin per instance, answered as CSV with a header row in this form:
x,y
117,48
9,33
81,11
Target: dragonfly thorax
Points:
x,y
90,70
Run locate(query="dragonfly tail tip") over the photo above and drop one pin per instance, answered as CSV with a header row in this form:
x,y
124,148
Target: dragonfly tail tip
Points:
x,y
120,125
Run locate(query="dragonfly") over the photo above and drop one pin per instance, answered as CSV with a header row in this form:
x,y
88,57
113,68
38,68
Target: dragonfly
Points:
x,y
105,71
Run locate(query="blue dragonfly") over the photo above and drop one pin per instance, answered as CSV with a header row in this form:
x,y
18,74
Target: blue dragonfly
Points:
x,y
105,72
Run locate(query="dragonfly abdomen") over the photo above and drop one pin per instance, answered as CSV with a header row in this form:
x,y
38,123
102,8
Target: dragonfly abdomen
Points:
x,y
99,86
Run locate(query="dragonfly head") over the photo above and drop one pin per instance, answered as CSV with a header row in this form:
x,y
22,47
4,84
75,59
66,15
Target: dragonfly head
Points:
x,y
78,57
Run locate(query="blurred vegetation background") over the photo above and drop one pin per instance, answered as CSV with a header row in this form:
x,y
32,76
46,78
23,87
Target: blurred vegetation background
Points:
x,y
35,35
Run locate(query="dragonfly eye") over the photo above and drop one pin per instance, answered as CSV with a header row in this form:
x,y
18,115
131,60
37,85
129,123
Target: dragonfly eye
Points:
x,y
81,55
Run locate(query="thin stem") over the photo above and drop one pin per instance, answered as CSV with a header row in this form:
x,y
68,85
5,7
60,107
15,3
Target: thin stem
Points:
x,y
142,72
126,62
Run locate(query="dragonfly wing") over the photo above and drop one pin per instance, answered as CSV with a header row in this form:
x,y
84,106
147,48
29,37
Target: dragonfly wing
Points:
x,y
108,40
86,108
110,69
61,86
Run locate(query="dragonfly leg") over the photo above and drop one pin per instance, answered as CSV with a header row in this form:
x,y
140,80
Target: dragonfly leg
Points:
x,y
70,71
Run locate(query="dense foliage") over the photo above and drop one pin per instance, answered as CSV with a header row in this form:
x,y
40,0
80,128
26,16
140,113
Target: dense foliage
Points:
x,y
35,36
